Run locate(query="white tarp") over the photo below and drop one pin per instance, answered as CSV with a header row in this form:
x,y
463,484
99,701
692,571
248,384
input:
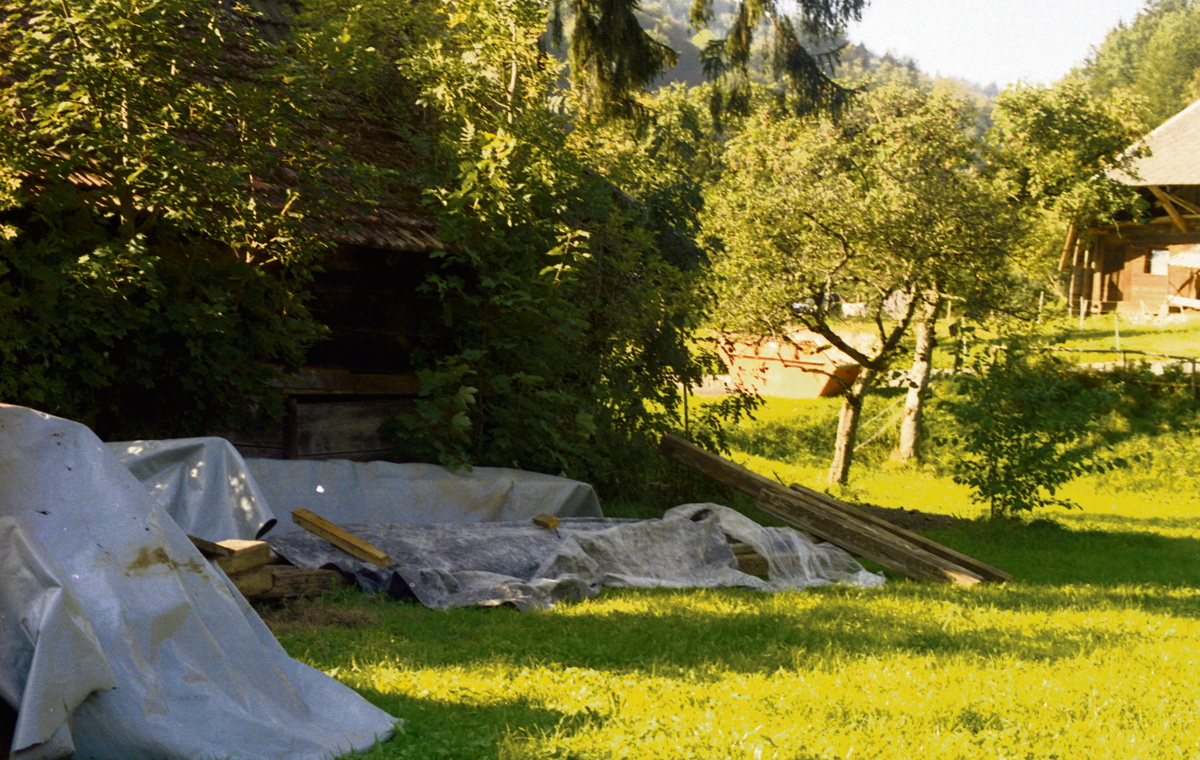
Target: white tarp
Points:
x,y
415,494
119,641
212,493
203,485
529,567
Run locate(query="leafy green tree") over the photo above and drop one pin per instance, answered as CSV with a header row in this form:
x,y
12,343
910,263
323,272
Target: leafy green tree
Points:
x,y
1053,146
882,205
568,292
1156,58
153,164
802,49
1023,419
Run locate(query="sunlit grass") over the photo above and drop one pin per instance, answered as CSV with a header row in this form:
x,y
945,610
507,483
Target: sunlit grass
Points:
x,y
1091,652
909,670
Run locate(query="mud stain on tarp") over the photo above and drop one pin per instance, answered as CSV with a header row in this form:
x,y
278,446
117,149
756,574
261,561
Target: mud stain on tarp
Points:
x,y
148,559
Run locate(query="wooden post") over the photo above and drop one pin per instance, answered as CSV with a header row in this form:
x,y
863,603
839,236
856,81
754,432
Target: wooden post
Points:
x,y
291,430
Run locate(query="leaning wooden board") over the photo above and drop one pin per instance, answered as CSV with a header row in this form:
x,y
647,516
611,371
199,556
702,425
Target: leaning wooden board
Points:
x,y
340,538
840,525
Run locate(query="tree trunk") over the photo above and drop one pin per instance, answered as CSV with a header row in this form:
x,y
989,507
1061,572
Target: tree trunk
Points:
x,y
918,383
847,433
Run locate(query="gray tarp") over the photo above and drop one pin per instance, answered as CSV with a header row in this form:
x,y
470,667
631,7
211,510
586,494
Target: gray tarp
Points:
x,y
465,538
212,493
383,492
119,641
530,567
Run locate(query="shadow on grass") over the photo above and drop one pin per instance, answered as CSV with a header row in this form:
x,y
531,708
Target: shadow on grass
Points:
x,y
1076,592
442,728
1045,552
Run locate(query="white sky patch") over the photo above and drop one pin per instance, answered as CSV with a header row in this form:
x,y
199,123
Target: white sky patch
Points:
x,y
991,41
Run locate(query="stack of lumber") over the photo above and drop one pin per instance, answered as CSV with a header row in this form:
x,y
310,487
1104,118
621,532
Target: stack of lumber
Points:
x,y
249,564
749,561
841,524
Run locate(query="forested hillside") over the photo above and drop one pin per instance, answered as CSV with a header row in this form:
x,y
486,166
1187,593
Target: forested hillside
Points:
x,y
1155,57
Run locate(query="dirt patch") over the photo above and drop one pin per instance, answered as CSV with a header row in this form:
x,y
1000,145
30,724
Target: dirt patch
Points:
x,y
312,613
909,519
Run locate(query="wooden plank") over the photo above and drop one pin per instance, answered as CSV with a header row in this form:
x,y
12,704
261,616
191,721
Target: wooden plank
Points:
x,y
245,555
753,564
210,549
982,569
855,536
290,582
340,381
340,538
863,540
253,583
345,429
1169,206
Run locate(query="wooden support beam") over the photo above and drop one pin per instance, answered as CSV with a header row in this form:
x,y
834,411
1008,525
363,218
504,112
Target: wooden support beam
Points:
x,y
840,526
340,538
1169,206
1068,247
982,569
1187,206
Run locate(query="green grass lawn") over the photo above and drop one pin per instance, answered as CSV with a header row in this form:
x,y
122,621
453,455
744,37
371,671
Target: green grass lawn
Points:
x,y
1091,652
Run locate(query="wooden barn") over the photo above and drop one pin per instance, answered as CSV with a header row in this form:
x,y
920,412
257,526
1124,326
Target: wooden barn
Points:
x,y
366,294
1151,266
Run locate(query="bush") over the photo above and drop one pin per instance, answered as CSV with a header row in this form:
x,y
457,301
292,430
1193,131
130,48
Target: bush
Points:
x,y
1026,424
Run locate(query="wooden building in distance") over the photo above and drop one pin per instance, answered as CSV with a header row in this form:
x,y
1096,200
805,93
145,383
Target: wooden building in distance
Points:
x,y
1151,266
366,293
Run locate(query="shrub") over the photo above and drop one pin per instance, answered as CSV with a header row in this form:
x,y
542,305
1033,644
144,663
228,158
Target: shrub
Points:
x,y
1025,424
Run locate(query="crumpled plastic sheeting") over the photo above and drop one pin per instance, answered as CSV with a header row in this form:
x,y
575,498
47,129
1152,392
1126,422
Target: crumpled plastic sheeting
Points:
x,y
102,588
793,561
529,567
345,492
202,483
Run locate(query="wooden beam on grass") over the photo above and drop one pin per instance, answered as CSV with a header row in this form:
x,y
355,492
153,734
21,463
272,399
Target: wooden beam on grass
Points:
x,y
982,569
340,538
815,516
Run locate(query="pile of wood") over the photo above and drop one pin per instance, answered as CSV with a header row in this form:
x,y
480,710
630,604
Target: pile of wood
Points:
x,y
260,573
826,518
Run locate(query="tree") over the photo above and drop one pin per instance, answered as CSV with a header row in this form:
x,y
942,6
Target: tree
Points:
x,y
1155,58
794,44
881,205
1054,147
568,291
1024,419
613,59
152,256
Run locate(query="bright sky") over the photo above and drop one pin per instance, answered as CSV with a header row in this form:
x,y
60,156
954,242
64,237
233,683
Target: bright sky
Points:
x,y
985,41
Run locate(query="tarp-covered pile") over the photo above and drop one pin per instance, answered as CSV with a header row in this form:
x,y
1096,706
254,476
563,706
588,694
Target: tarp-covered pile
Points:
x,y
118,640
529,567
